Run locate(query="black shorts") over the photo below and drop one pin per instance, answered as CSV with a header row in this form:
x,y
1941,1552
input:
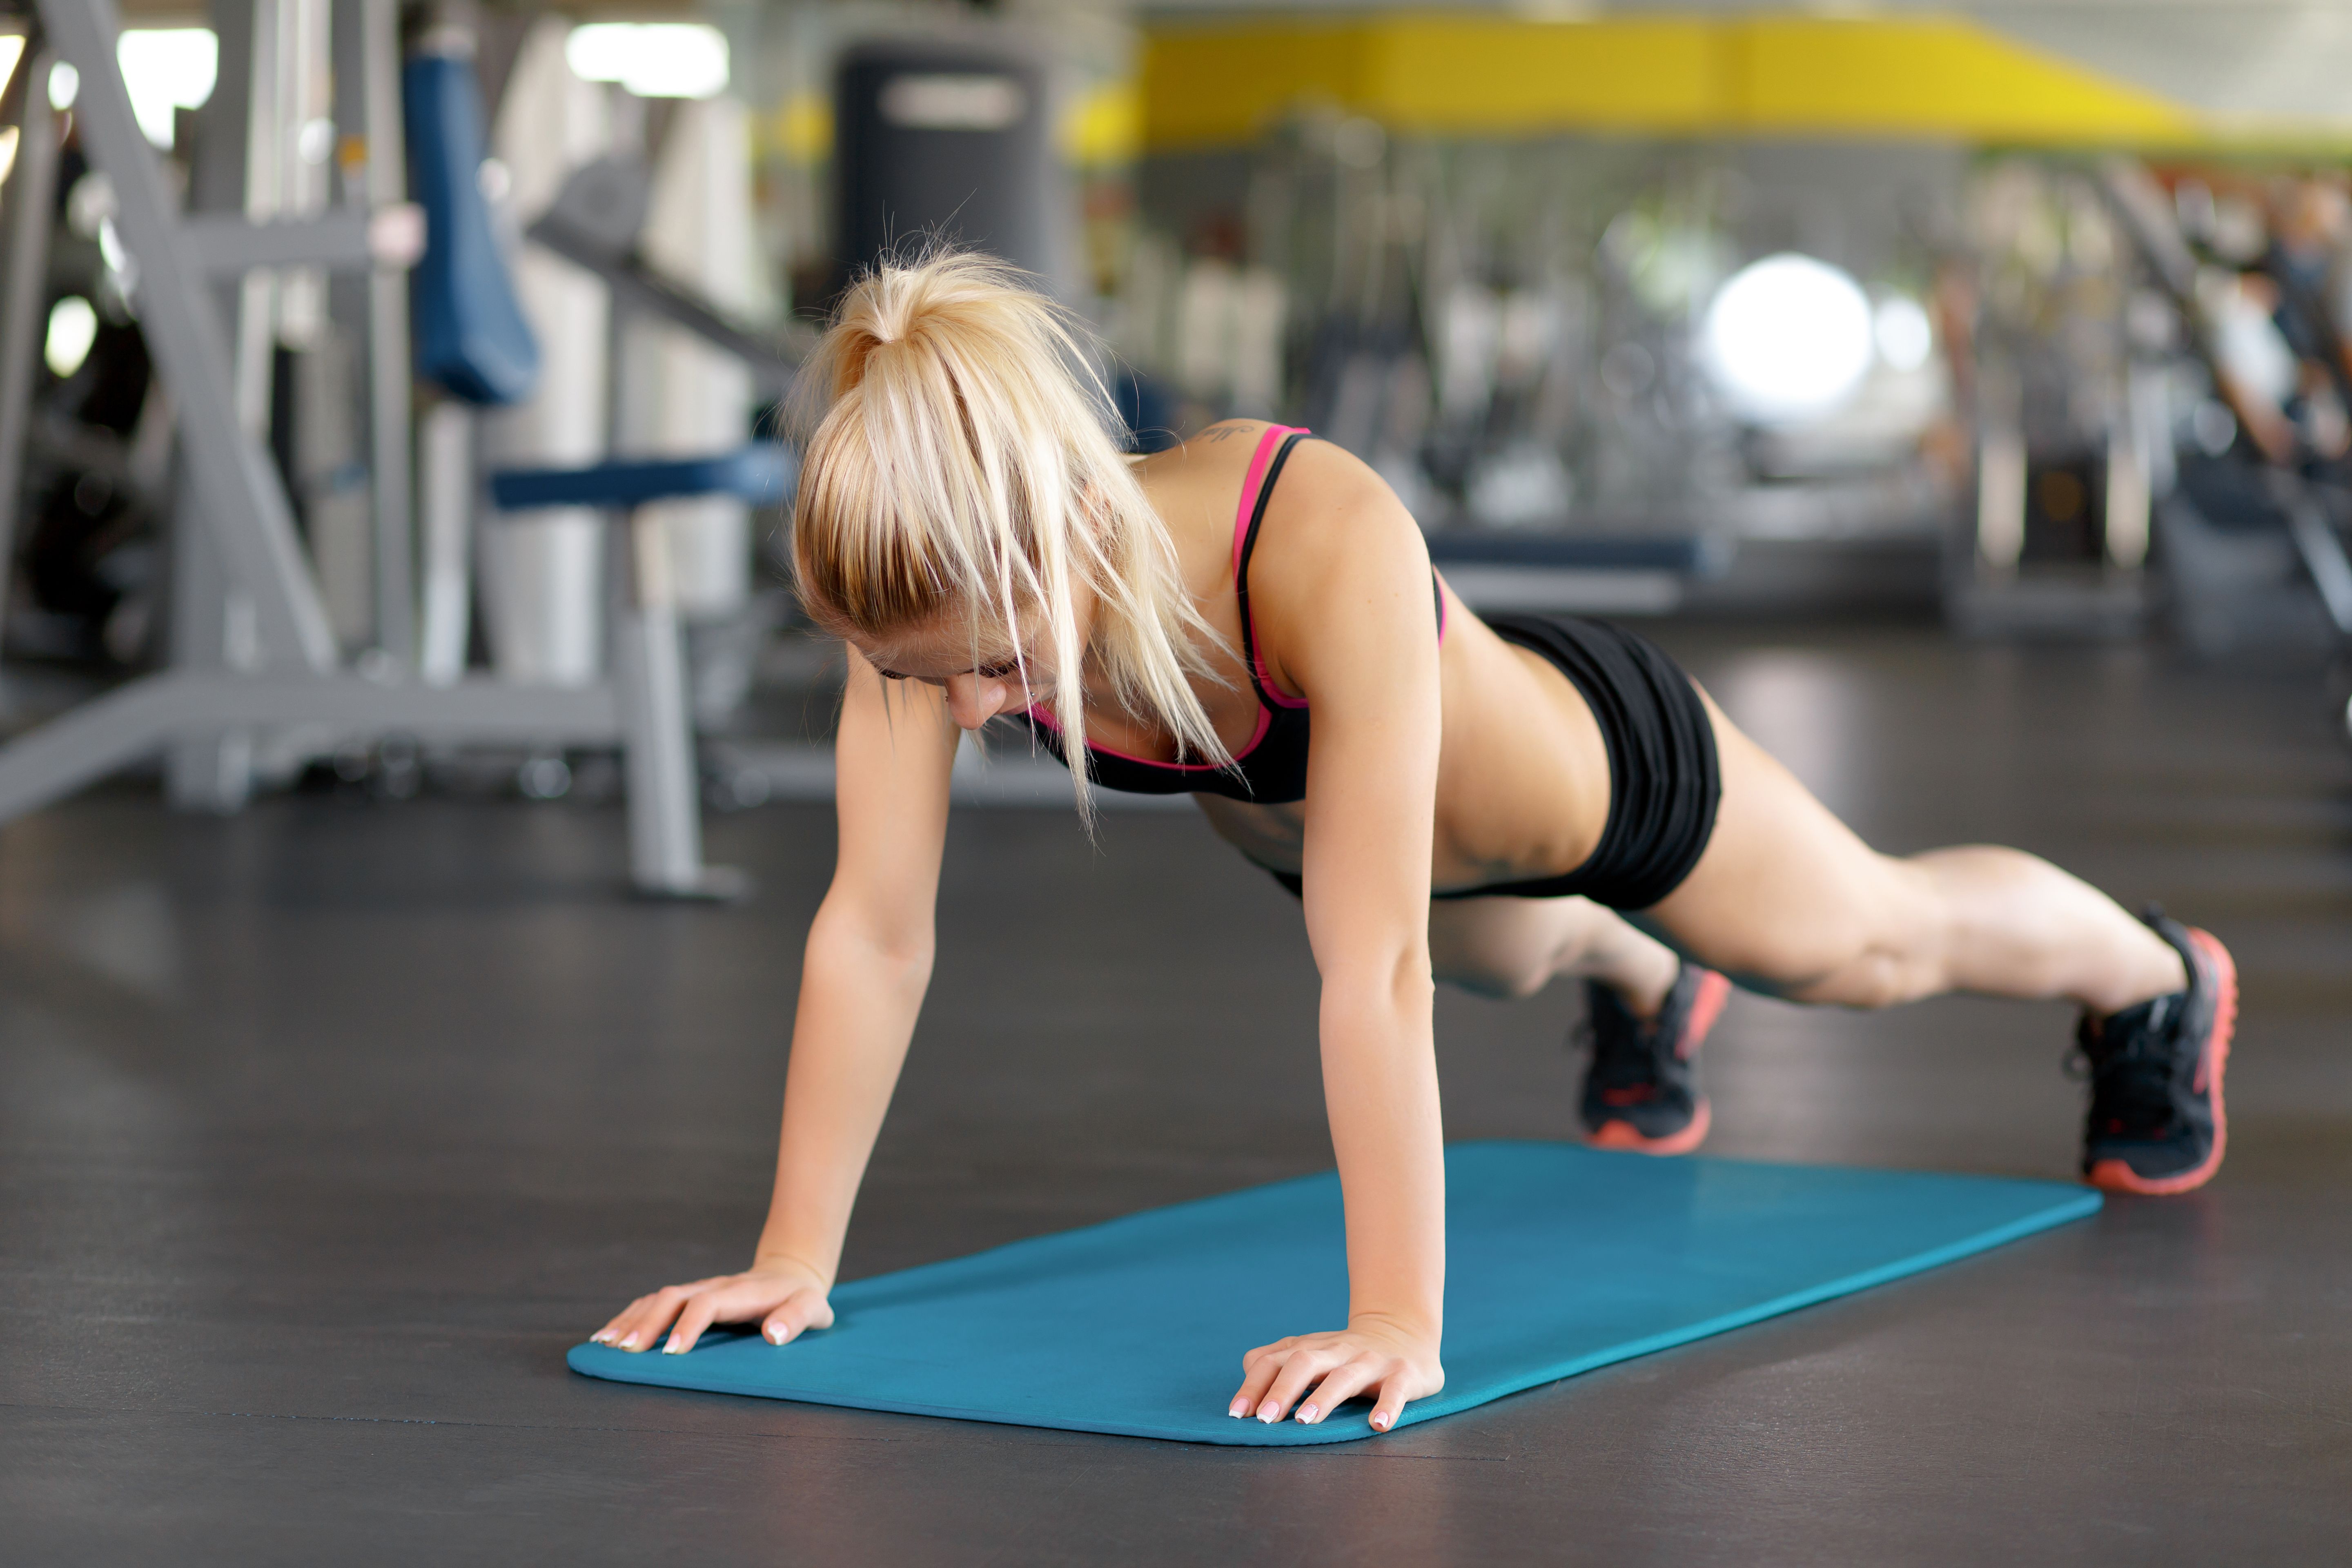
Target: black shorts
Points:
x,y
1664,781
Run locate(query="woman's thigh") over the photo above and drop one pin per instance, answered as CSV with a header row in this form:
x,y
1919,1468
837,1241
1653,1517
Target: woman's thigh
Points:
x,y
1788,899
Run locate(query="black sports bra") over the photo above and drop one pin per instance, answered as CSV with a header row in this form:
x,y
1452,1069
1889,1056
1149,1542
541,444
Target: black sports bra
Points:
x,y
1270,769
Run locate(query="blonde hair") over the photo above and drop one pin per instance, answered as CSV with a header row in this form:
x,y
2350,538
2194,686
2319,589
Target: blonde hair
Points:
x,y
961,462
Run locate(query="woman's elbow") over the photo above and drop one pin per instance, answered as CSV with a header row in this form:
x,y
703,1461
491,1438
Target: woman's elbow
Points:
x,y
1397,979
891,954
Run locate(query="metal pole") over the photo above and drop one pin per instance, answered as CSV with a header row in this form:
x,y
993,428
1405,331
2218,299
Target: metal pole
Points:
x,y
30,199
648,680
390,456
211,770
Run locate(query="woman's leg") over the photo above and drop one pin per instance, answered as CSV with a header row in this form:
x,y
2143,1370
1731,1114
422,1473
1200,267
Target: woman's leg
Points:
x,y
1787,900
1513,948
1647,1014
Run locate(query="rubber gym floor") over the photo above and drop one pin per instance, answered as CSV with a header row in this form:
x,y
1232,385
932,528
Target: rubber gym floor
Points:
x,y
325,1130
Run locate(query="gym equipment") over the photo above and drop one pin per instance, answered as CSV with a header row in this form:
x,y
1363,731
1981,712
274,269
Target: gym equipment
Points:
x,y
470,327
1446,311
594,223
943,137
1559,1259
665,832
2070,438
27,204
257,656
471,336
2291,478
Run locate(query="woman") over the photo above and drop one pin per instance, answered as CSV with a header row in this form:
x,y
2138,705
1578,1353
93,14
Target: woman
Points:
x,y
1471,802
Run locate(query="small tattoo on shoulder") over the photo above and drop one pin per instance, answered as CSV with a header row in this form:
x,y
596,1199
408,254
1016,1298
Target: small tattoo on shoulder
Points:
x,y
1226,430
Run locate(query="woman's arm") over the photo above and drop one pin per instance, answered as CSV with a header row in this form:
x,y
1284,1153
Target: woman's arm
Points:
x,y
1342,581
862,982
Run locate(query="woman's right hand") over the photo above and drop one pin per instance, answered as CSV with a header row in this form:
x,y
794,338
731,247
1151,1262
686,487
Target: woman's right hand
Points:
x,y
782,1297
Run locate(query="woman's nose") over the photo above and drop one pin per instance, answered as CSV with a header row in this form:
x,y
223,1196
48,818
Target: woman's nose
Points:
x,y
974,699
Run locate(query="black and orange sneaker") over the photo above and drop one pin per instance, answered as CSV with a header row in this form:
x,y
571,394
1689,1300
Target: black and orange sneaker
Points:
x,y
1640,1091
2157,1124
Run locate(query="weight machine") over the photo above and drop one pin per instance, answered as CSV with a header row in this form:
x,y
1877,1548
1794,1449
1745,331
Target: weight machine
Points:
x,y
257,668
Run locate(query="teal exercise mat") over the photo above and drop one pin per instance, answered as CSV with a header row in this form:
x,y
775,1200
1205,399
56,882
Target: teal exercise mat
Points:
x,y
1560,1259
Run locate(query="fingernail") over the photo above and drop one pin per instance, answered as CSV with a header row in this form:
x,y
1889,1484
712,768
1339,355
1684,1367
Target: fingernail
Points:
x,y
628,1342
1307,1412
776,1336
600,1339
1381,1420
674,1345
1241,1408
1269,1411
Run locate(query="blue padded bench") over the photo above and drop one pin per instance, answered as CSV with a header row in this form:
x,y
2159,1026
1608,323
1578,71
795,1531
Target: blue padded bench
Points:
x,y
472,338
761,474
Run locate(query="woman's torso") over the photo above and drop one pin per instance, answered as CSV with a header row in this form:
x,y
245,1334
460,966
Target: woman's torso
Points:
x,y
1523,776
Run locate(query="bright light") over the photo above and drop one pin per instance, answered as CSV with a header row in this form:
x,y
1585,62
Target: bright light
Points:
x,y
64,85
652,59
953,102
1905,338
73,327
167,69
1786,338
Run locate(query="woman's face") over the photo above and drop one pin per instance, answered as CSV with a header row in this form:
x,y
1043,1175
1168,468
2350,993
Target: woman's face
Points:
x,y
976,692
981,680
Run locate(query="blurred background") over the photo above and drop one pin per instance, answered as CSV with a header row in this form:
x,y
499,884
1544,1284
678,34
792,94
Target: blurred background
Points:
x,y
2024,319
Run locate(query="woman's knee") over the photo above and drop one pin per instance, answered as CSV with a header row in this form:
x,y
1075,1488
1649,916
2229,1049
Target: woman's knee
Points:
x,y
1872,977
1504,976
1790,901
1509,949
1881,945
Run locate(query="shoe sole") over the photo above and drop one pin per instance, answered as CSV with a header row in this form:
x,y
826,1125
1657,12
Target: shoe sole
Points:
x,y
2116,1175
1714,991
1626,1139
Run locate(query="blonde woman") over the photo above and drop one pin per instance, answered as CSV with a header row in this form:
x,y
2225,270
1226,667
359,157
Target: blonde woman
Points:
x,y
1252,617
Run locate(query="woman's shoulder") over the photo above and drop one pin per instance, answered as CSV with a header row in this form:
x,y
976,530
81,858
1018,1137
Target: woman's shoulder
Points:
x,y
1335,545
1333,486
1216,463
1325,505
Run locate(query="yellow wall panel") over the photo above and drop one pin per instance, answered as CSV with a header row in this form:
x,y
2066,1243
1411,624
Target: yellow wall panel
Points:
x,y
1222,84
1927,76
1497,76
1206,86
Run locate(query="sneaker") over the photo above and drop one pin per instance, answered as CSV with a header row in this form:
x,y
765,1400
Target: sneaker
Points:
x,y
1640,1091
2156,1123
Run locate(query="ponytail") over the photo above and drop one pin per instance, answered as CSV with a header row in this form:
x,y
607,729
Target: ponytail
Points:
x,y
961,464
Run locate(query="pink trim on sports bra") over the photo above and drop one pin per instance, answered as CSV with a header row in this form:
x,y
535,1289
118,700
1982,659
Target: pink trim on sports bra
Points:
x,y
1267,446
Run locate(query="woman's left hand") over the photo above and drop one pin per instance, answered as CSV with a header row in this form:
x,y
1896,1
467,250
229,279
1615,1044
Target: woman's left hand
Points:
x,y
1318,1373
